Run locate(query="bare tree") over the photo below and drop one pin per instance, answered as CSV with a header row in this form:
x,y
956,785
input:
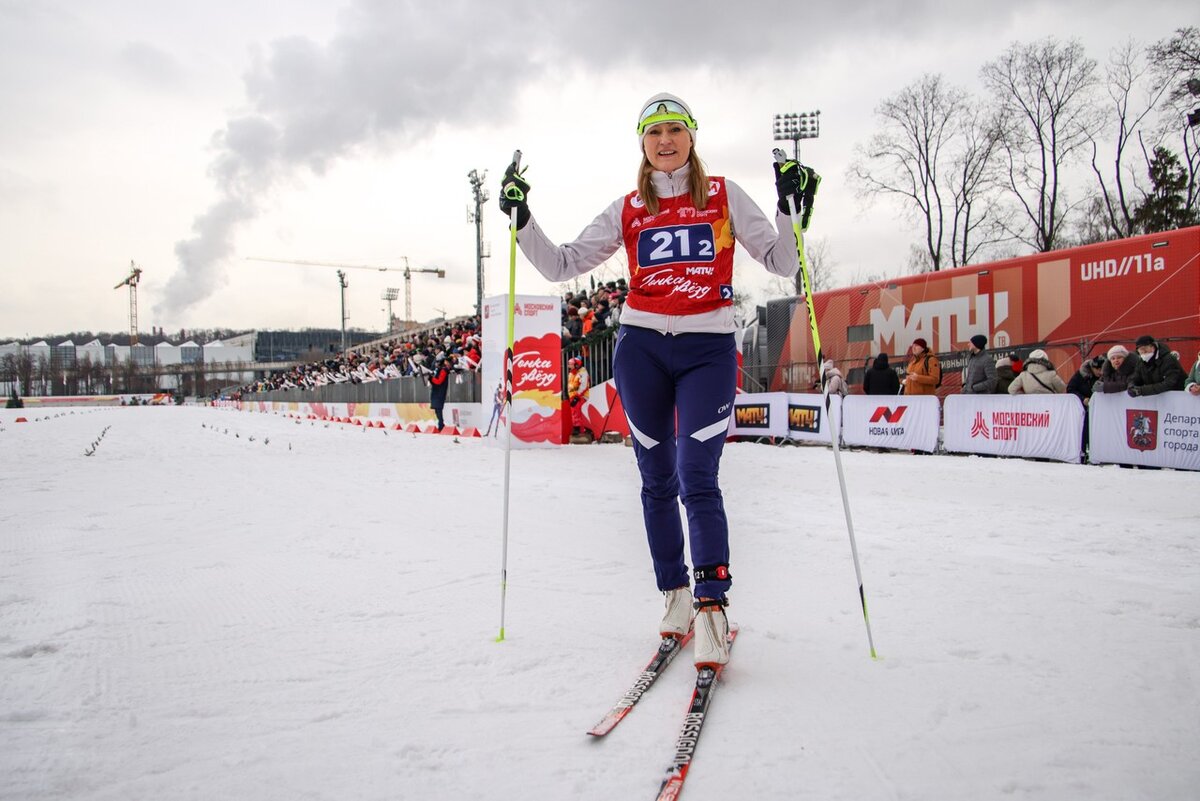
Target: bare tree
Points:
x,y
980,221
1043,91
934,152
1176,62
1134,98
1090,223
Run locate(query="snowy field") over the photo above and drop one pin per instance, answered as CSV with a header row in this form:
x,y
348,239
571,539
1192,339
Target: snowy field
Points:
x,y
221,605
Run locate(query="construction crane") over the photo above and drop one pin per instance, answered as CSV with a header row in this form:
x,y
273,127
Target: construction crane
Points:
x,y
131,281
408,271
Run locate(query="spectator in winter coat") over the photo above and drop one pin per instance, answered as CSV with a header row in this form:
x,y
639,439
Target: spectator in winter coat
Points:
x,y
1004,375
832,380
1080,386
880,379
602,313
1038,377
979,376
1082,382
439,384
1156,370
923,372
1114,376
578,384
574,326
1192,384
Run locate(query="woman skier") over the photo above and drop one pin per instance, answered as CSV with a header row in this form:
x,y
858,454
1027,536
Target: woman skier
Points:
x,y
675,362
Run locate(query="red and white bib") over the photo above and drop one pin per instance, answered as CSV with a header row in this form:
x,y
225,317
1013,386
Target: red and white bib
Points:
x,y
681,259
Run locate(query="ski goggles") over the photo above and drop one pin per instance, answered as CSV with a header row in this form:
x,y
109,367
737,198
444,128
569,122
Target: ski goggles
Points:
x,y
664,111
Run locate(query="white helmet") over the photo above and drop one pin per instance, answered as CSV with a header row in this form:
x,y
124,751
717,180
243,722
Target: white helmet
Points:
x,y
665,107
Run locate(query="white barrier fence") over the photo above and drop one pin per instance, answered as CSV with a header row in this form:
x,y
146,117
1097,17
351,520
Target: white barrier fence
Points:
x,y
777,414
1159,431
891,421
1030,426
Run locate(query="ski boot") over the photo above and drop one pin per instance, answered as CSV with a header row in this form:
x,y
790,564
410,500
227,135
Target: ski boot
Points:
x,y
677,620
712,633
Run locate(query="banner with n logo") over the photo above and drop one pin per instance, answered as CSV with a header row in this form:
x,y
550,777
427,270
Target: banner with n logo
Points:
x,y
881,421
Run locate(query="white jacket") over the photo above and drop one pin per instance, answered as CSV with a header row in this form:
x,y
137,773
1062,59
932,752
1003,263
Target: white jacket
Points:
x,y
772,245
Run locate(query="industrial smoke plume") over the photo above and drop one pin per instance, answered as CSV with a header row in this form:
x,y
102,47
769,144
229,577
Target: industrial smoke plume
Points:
x,y
394,71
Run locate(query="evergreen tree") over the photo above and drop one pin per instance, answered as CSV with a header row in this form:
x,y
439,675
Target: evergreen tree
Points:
x,y
1165,208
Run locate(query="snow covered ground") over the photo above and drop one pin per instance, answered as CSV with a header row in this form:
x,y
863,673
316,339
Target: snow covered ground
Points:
x,y
223,605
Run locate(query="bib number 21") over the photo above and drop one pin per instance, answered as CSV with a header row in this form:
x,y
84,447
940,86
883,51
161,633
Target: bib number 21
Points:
x,y
674,244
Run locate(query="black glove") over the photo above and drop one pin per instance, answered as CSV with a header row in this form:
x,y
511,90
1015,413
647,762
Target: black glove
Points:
x,y
799,183
1134,391
514,194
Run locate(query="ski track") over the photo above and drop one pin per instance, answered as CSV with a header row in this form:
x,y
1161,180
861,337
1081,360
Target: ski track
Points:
x,y
229,605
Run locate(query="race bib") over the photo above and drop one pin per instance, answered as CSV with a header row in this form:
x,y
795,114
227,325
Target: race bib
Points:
x,y
676,243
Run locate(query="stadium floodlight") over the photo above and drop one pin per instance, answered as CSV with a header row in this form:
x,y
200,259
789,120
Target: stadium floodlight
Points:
x,y
796,126
390,294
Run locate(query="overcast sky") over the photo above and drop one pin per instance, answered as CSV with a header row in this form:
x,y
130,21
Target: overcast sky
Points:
x,y
187,137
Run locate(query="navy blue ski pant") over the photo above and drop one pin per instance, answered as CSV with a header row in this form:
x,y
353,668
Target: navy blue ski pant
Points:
x,y
677,390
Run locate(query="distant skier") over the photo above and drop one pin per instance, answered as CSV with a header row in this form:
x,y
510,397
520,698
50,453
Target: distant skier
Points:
x,y
497,410
675,364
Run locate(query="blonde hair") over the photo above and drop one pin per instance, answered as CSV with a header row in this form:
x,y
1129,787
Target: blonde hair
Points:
x,y
697,183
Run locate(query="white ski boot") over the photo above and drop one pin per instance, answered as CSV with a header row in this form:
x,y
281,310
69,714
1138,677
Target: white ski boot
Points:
x,y
712,634
677,620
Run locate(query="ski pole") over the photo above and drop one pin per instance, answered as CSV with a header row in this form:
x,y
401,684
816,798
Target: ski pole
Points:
x,y
508,392
781,157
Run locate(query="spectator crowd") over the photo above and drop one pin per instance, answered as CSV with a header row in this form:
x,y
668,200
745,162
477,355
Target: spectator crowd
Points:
x,y
588,313
1150,369
456,345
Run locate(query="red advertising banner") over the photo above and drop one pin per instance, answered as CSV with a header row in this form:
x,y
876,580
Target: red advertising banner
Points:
x,y
1072,303
537,378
